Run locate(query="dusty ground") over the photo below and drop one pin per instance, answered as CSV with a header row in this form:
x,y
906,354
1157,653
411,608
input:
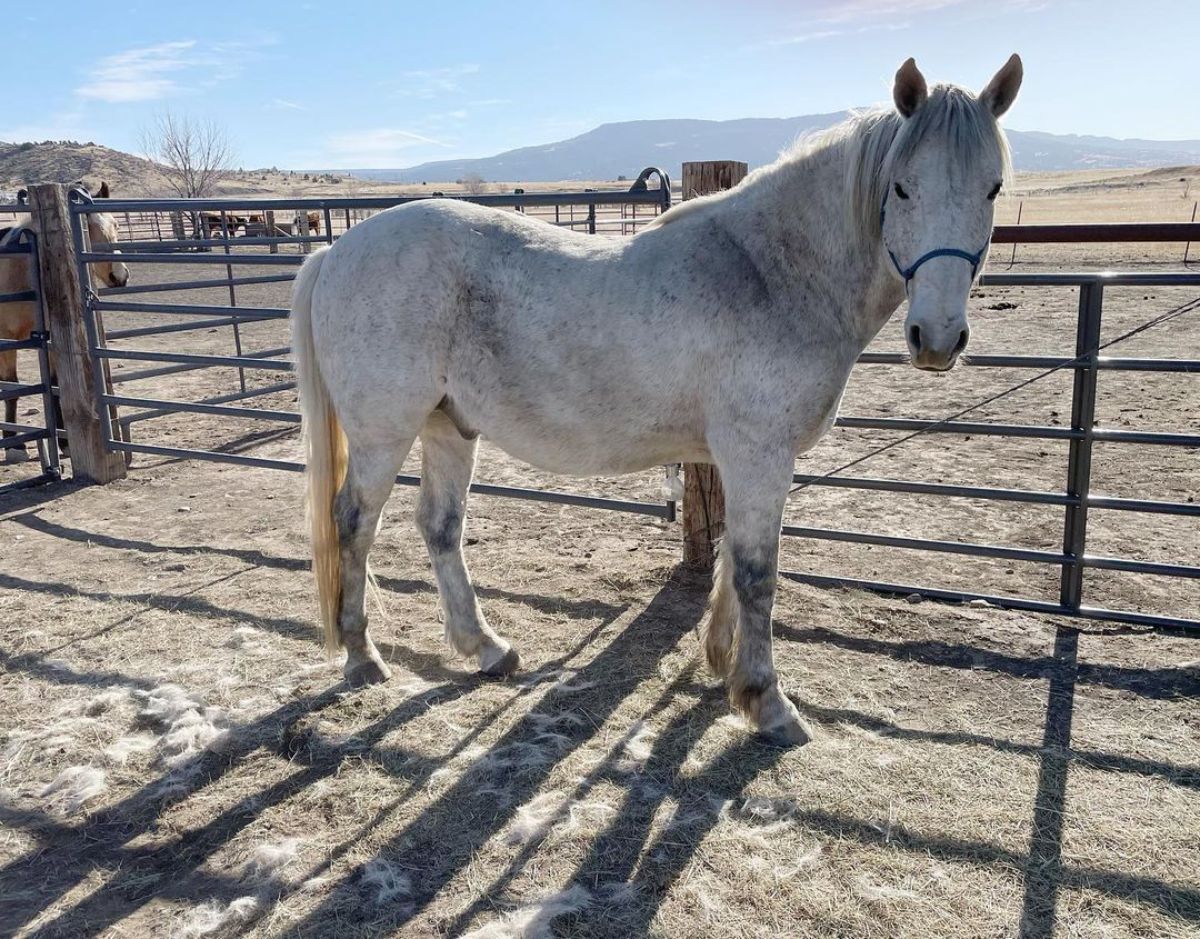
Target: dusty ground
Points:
x,y
179,761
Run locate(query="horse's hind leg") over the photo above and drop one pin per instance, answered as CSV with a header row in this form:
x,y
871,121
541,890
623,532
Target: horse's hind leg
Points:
x,y
8,372
370,476
447,462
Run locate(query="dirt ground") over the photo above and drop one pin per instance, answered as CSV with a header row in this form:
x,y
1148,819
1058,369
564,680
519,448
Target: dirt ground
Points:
x,y
179,760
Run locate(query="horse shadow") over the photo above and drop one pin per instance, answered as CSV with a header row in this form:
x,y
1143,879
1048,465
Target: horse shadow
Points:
x,y
173,870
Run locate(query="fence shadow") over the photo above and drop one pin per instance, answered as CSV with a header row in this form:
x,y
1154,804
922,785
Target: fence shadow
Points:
x,y
172,870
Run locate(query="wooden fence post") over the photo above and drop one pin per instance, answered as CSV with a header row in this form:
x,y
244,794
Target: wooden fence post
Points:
x,y
63,299
703,497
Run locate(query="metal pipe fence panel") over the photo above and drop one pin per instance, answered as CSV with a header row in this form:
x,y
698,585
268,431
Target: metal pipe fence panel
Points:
x,y
1076,499
240,234
235,251
42,431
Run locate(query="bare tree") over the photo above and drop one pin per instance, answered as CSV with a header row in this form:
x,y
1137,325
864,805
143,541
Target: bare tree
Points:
x,y
474,184
195,155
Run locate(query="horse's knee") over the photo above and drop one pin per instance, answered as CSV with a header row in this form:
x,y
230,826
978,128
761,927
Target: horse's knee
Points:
x,y
440,524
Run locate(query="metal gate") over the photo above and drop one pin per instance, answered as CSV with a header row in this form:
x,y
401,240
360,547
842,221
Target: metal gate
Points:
x,y
273,236
20,248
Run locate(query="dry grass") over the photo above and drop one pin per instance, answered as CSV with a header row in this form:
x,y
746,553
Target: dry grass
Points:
x,y
176,759
967,775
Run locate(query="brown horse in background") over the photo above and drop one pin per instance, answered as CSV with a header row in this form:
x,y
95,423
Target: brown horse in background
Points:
x,y
17,319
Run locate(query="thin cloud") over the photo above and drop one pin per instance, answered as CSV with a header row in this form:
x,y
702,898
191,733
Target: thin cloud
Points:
x,y
167,69
145,73
376,147
289,105
433,82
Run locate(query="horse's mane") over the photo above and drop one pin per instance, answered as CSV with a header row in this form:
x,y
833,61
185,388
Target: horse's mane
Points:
x,y
873,141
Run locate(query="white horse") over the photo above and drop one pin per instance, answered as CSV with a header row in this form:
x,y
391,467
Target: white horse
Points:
x,y
725,334
17,319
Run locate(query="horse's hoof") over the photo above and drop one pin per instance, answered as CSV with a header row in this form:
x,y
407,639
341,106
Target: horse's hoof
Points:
x,y
370,671
16,455
503,666
789,734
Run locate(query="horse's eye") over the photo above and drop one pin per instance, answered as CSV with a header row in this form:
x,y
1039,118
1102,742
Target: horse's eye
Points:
x,y
995,192
900,191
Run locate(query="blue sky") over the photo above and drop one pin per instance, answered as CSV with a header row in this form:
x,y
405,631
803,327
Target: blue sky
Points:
x,y
359,84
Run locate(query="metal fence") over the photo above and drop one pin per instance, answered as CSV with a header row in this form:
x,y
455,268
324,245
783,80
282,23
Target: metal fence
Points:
x,y
17,433
222,233
232,245
1076,498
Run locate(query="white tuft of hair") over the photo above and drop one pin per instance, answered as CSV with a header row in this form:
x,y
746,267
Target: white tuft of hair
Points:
x,y
535,920
639,744
74,786
188,727
550,810
389,880
213,918
268,860
120,750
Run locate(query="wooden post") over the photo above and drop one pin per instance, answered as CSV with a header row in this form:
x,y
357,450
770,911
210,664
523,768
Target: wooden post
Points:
x,y
305,231
63,299
269,217
703,497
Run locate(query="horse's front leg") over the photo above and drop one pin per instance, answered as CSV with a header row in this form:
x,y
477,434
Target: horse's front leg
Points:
x,y
756,487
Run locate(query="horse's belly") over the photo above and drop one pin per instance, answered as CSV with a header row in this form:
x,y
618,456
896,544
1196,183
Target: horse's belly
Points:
x,y
598,452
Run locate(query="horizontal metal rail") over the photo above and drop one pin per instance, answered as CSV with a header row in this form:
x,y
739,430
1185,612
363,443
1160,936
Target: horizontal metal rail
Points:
x,y
599,197
193,309
20,296
190,367
1134,566
127,419
926,544
195,285
268,260
1107,363
654,509
1172,623
192,326
194,407
1146,506
1103,233
967,428
208,361
1030,496
13,390
1095,278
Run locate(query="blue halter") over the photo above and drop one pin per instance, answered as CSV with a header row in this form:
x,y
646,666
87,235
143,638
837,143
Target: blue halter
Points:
x,y
908,273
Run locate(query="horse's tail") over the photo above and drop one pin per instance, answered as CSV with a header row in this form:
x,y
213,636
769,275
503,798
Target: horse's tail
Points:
x,y
325,451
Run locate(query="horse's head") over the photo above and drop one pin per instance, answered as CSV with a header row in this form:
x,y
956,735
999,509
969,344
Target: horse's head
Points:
x,y
103,234
942,175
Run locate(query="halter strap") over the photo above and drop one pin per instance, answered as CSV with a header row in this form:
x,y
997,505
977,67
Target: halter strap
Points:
x,y
908,273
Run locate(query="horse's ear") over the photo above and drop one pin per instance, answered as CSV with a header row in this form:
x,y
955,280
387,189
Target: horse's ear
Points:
x,y
1002,90
910,90
103,193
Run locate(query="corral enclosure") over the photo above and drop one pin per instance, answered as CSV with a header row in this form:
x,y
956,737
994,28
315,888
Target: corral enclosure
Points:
x,y
974,770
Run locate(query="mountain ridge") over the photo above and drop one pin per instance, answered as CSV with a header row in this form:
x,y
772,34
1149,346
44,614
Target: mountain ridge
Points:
x,y
624,148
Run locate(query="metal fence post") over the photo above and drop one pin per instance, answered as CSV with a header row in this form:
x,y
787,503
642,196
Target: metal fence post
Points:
x,y
1079,460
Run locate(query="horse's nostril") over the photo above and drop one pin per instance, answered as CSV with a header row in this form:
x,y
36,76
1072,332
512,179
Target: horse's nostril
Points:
x,y
962,341
914,337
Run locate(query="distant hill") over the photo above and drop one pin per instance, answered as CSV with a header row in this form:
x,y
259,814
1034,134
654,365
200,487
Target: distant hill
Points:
x,y
22,164
625,148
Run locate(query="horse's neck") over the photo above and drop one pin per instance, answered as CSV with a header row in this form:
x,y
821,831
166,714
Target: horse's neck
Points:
x,y
795,218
